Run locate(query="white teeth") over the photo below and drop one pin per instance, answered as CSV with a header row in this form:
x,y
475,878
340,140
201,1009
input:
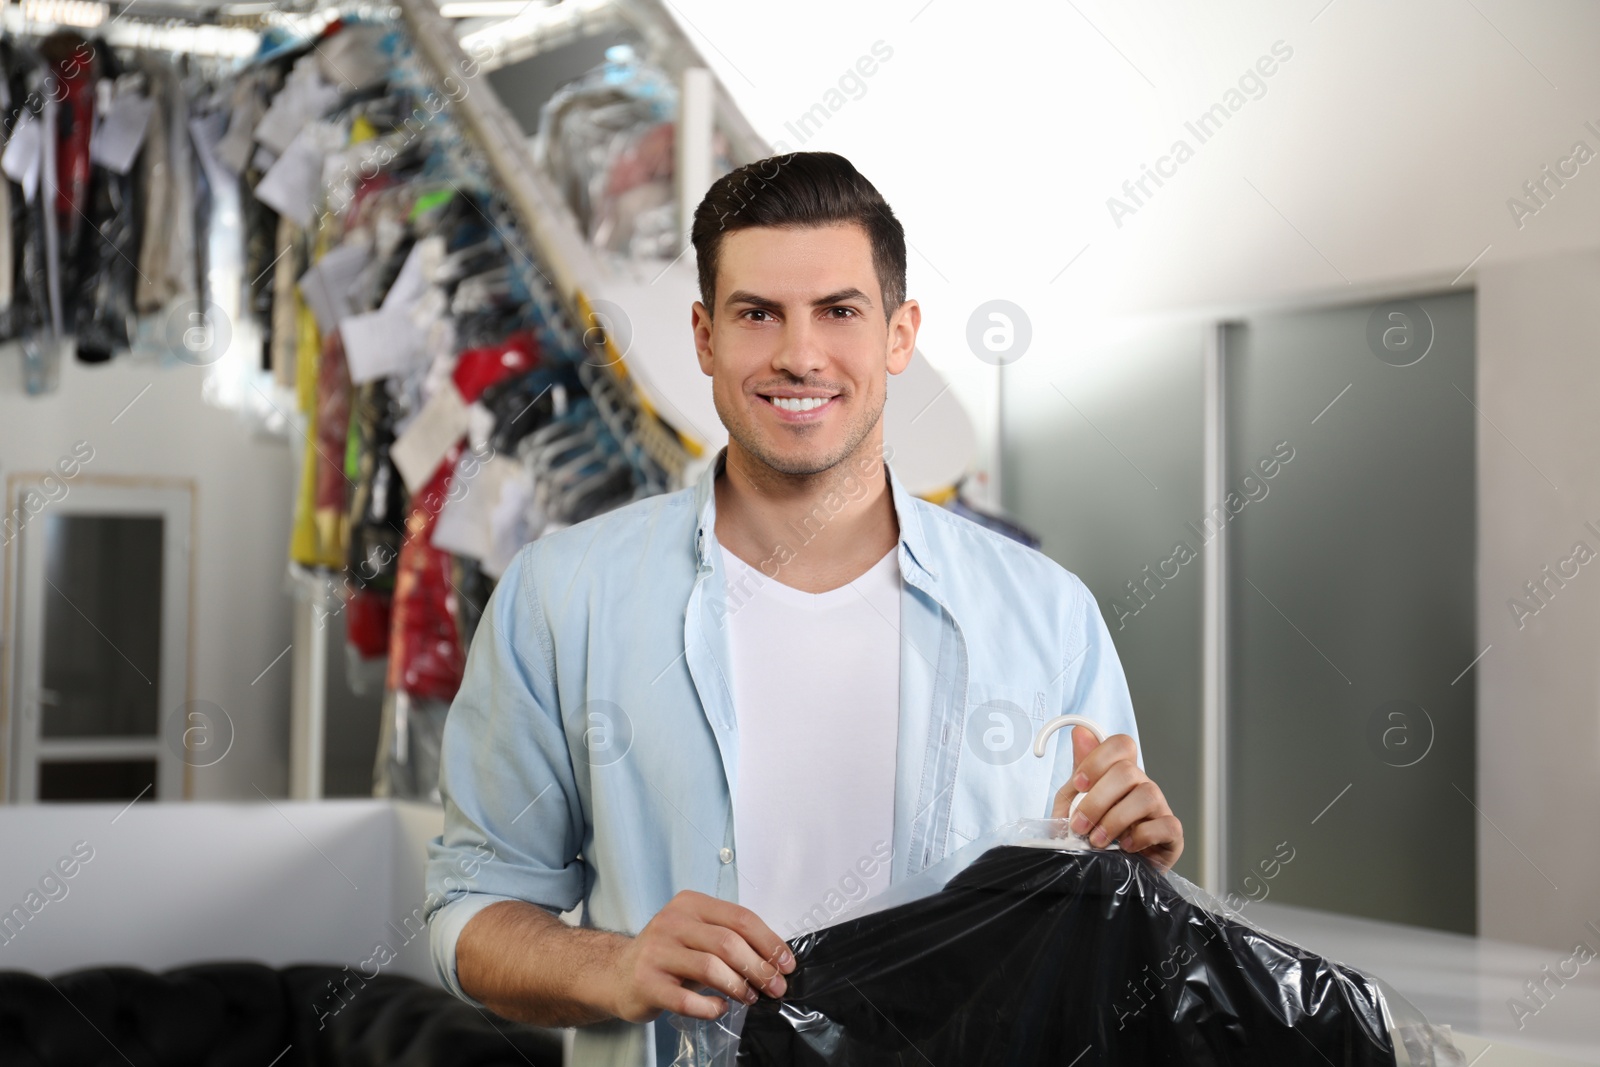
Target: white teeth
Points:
x,y
799,403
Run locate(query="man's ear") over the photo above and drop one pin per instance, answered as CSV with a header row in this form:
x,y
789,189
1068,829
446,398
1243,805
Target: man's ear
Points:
x,y
700,322
903,327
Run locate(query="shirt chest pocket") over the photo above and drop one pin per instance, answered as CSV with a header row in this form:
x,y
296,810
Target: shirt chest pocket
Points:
x,y
998,778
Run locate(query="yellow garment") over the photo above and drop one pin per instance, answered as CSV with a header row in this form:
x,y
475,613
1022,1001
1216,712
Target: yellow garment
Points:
x,y
308,544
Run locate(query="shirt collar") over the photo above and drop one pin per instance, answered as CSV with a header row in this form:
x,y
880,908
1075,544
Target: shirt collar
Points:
x,y
905,509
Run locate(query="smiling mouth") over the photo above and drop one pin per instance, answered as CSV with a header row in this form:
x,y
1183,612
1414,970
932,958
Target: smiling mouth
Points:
x,y
797,404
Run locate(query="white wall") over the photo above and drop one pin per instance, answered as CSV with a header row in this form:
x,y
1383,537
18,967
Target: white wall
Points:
x,y
171,884
1539,683
243,503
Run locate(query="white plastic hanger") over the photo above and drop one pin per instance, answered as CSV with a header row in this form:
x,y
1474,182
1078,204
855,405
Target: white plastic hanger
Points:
x,y
1073,842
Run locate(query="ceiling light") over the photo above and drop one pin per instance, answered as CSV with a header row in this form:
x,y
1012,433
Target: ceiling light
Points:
x,y
492,9
85,14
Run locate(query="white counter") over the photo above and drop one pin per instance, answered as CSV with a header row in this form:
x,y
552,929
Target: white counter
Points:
x,y
1465,982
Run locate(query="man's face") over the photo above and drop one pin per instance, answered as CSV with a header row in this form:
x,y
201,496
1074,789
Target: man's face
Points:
x,y
799,351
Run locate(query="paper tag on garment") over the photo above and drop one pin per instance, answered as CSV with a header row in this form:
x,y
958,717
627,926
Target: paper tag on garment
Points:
x,y
292,185
480,427
511,521
432,306
412,281
23,154
326,285
418,451
304,98
381,344
119,134
464,524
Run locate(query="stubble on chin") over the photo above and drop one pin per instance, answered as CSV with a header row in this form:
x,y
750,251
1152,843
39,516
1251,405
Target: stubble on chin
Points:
x,y
756,446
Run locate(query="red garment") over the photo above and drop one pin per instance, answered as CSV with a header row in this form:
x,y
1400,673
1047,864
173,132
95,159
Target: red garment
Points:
x,y
72,66
368,616
425,654
479,368
426,659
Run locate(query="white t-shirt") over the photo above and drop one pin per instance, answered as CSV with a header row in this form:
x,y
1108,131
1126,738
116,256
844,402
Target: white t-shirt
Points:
x,y
816,692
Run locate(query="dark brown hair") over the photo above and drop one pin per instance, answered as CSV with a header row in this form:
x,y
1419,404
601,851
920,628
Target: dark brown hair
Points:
x,y
800,189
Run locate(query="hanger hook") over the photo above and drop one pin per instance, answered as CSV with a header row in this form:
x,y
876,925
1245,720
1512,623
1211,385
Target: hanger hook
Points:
x,y
1064,720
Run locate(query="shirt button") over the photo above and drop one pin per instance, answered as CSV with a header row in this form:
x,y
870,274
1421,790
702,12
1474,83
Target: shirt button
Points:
x,y
726,855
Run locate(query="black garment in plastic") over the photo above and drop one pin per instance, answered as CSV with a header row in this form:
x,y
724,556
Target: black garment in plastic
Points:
x,y
19,314
105,271
105,274
522,404
378,501
28,318
1046,956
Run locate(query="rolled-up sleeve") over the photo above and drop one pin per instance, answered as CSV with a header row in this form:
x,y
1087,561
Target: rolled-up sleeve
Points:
x,y
513,819
1095,686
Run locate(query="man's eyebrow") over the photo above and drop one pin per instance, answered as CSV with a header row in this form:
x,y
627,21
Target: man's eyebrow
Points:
x,y
843,296
744,296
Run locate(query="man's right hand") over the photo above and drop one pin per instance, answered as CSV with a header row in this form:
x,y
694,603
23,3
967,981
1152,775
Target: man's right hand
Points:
x,y
697,940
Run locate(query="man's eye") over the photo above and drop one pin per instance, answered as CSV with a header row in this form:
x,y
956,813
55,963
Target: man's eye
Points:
x,y
756,311
846,312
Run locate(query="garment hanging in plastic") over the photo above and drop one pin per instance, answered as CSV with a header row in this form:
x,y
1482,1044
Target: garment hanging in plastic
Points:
x,y
1044,955
607,140
104,273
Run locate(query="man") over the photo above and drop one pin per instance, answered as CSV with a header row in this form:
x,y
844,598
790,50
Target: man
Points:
x,y
795,647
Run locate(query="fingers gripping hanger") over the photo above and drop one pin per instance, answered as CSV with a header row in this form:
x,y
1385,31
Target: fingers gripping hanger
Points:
x,y
1073,842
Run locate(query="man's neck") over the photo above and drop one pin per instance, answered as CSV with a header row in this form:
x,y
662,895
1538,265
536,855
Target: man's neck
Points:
x,y
813,532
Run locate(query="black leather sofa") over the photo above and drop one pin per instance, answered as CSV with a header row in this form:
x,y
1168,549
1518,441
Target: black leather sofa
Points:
x,y
252,1015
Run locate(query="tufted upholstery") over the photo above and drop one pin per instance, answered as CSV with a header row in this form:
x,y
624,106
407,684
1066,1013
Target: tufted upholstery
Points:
x,y
251,1015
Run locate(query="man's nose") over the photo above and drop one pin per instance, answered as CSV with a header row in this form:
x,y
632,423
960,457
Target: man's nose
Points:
x,y
802,352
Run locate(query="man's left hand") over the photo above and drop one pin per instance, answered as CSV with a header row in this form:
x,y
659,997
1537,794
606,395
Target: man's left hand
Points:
x,y
1121,803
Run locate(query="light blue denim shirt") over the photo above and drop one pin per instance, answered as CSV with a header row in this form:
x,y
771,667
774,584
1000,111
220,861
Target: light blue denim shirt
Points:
x,y
592,753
